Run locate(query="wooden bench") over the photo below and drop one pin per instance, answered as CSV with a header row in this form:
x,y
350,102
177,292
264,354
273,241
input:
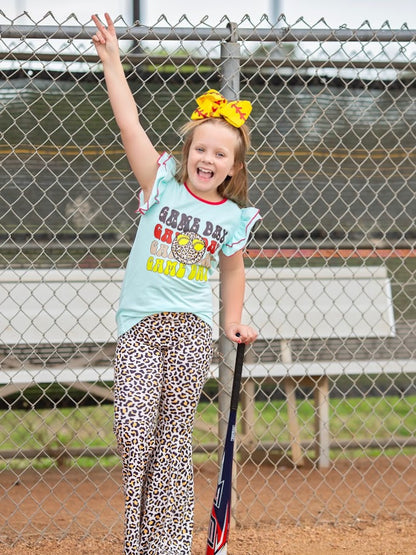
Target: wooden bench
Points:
x,y
56,307
315,303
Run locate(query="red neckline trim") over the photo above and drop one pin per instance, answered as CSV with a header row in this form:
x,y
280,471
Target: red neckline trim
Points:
x,y
203,200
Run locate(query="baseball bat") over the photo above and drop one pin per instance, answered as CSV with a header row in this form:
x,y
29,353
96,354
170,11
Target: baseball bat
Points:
x,y
219,525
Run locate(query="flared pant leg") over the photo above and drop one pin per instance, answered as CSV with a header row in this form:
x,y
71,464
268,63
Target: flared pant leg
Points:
x,y
161,367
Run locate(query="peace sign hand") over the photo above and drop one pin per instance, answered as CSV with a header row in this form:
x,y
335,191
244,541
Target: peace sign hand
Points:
x,y
105,39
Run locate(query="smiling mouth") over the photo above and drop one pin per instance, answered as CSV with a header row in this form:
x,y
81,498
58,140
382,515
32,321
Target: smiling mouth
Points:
x,y
205,173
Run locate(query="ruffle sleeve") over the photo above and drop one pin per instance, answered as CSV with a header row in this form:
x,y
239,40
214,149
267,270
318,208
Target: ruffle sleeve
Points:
x,y
165,174
238,239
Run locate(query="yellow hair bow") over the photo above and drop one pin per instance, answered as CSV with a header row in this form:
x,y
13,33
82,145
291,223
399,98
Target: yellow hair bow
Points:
x,y
213,105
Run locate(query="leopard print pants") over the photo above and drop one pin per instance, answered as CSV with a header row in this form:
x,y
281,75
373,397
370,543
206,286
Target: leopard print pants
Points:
x,y
161,365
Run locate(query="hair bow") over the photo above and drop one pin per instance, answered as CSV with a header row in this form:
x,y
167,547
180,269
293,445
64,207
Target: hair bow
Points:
x,y
213,105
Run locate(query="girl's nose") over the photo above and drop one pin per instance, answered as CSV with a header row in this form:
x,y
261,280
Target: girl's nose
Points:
x,y
208,157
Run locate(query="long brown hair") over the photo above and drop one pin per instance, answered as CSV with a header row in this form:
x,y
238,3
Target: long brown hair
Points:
x,y
234,187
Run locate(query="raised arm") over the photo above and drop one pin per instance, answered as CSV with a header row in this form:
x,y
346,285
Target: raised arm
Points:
x,y
141,154
232,276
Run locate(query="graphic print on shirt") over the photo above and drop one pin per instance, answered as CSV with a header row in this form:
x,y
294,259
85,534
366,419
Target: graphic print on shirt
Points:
x,y
188,248
183,245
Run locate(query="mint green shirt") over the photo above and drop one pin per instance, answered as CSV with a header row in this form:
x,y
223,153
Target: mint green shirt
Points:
x,y
177,248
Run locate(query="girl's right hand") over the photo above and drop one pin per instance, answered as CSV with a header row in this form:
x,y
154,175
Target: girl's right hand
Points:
x,y
105,39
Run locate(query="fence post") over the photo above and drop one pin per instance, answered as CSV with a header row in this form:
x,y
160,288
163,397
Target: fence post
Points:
x,y
230,65
230,88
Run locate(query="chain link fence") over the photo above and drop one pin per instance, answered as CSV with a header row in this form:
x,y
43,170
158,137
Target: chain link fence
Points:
x,y
330,384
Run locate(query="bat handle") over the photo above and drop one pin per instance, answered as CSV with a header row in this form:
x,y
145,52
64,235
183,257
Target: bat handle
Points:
x,y
238,370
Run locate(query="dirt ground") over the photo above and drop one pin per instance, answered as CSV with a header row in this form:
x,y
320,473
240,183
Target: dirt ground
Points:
x,y
280,510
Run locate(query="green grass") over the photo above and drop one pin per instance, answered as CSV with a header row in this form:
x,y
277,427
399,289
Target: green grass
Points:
x,y
376,417
350,419
56,429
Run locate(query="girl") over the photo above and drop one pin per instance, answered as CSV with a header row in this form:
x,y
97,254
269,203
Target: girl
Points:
x,y
190,223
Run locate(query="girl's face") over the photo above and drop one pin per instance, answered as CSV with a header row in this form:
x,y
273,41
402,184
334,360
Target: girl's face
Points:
x,y
211,159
